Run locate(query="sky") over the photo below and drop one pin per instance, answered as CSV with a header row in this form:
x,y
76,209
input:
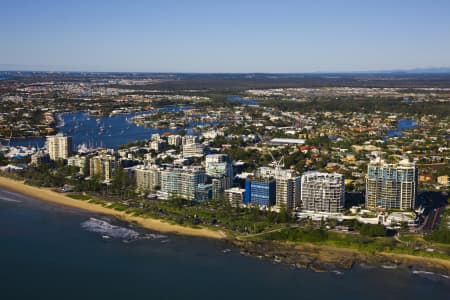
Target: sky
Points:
x,y
224,36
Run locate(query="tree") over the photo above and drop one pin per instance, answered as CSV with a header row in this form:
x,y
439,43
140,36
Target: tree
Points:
x,y
372,230
95,183
3,160
284,216
118,181
441,236
122,184
176,202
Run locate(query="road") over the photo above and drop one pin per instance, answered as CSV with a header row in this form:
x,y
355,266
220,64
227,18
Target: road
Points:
x,y
433,220
266,232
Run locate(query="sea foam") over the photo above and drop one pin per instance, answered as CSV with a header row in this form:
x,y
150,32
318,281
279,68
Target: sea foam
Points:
x,y
10,200
114,231
105,228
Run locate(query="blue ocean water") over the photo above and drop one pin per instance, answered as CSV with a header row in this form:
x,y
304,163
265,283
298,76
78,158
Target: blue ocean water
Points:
x,y
47,252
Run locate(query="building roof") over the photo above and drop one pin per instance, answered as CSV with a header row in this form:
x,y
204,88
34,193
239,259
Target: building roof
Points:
x,y
286,141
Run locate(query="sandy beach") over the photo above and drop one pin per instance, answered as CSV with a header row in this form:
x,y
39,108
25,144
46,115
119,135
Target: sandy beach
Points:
x,y
48,195
319,253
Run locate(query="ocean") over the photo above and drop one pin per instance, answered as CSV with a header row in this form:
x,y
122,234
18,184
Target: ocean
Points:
x,y
55,252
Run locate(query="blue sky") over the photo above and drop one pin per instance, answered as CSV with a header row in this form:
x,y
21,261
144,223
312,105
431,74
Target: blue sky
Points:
x,y
224,36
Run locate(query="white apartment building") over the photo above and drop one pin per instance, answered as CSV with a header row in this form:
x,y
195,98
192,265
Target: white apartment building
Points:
x,y
158,145
174,140
322,192
235,196
181,183
189,139
148,178
79,161
219,167
59,146
103,165
391,186
193,150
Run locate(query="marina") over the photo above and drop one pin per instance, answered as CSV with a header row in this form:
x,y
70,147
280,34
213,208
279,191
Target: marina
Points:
x,y
108,131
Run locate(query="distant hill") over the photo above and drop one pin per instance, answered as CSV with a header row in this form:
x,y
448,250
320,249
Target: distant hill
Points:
x,y
234,83
443,70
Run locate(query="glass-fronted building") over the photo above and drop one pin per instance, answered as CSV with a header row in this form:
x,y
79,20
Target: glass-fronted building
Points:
x,y
391,186
260,191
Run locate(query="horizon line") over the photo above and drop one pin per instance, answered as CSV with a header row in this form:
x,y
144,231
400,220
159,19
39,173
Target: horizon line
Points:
x,y
440,70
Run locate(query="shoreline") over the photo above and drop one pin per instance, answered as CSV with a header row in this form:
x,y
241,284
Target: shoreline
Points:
x,y
324,258
303,255
23,137
46,194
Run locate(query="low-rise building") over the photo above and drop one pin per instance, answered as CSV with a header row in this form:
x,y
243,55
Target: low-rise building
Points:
x,y
235,196
193,150
444,180
287,141
189,139
158,145
174,140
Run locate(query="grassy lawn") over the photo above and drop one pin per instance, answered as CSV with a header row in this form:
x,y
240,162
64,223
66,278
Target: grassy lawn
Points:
x,y
412,245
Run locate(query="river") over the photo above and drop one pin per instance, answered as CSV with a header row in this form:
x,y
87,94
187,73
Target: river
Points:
x,y
117,129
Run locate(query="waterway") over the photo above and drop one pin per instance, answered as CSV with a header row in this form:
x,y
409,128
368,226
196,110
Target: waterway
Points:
x,y
402,124
242,100
112,131
2,77
104,131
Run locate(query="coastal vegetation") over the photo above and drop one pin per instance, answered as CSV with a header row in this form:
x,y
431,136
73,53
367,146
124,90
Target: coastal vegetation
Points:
x,y
442,235
360,242
249,227
243,223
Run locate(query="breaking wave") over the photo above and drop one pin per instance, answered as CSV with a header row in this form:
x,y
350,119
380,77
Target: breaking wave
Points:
x,y
108,230
429,275
389,267
10,200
